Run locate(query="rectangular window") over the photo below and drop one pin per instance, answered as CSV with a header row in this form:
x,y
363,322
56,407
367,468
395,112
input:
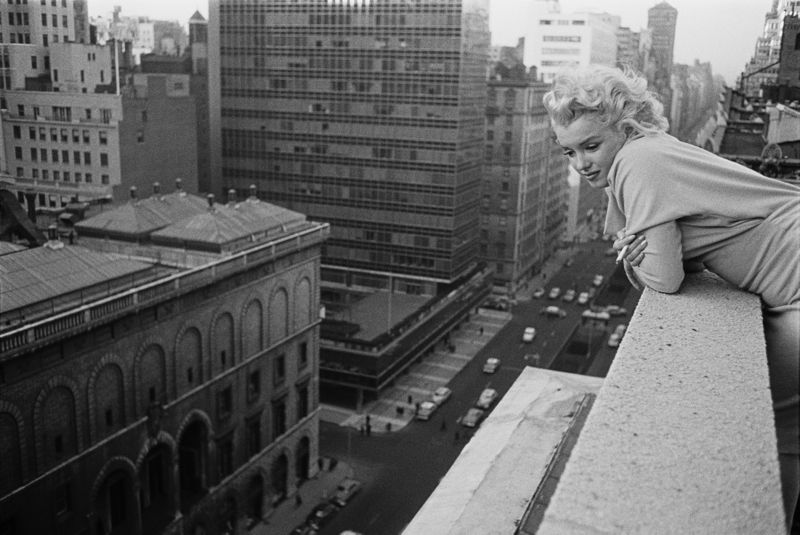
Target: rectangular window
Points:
x,y
87,158
18,153
103,137
253,435
56,175
35,173
303,355
85,135
20,172
54,154
63,135
103,159
279,369
67,177
88,178
45,174
53,134
302,401
253,386
34,62
42,133
32,132
104,179
224,403
55,20
17,131
65,156
78,177
44,19
43,154
225,455
20,110
278,418
76,156
75,136
34,154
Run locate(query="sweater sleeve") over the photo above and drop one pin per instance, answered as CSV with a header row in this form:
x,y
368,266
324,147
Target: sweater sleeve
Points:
x,y
662,266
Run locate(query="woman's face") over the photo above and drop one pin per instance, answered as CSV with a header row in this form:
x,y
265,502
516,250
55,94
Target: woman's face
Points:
x,y
590,147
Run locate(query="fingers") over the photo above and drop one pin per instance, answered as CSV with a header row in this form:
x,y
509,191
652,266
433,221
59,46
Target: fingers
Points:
x,y
621,242
636,250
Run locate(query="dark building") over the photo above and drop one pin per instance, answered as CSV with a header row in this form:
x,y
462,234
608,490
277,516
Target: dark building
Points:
x,y
661,21
173,393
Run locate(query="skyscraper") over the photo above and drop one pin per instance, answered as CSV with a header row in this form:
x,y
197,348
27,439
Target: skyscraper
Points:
x,y
366,115
661,20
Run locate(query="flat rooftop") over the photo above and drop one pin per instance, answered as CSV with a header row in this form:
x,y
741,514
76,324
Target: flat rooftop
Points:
x,y
378,312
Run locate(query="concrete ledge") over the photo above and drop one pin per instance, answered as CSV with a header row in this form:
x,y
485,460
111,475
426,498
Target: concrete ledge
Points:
x,y
681,438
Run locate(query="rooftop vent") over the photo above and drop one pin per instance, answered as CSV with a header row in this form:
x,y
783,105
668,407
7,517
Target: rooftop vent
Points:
x,y
210,199
53,242
133,193
231,197
156,188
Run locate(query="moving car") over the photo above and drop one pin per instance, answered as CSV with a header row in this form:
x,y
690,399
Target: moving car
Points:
x,y
472,418
598,280
555,291
538,293
529,334
583,298
491,365
441,394
486,398
346,489
616,310
569,296
613,340
321,514
553,311
426,409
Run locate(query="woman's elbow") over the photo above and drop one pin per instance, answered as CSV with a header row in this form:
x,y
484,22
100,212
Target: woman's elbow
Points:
x,y
664,284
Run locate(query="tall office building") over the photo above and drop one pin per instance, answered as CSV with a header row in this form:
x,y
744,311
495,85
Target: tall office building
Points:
x,y
366,115
661,20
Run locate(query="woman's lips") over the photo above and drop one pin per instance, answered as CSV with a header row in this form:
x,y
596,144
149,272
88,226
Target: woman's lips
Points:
x,y
591,176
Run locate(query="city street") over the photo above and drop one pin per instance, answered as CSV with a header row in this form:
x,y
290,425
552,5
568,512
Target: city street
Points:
x,y
400,469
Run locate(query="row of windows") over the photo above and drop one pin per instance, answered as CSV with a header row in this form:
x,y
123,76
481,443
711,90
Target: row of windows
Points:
x,y
64,113
57,156
61,134
62,176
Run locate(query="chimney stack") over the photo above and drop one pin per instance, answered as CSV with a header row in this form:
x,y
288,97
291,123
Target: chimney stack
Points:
x,y
133,193
253,193
179,186
156,188
231,197
52,238
210,199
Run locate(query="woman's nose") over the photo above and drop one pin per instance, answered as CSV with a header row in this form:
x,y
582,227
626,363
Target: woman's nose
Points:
x,y
581,163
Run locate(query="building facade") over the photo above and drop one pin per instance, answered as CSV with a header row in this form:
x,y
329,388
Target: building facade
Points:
x,y
571,40
175,393
517,183
661,21
366,115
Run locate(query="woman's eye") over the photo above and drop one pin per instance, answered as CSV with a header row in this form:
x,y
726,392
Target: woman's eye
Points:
x,y
593,146
568,153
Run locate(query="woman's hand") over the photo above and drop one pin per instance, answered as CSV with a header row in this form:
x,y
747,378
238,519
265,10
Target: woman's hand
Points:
x,y
631,247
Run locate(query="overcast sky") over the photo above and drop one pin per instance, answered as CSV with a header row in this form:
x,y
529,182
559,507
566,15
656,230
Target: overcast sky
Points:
x,y
722,32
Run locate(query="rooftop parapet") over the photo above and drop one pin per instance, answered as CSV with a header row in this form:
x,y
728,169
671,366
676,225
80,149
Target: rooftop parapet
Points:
x,y
680,438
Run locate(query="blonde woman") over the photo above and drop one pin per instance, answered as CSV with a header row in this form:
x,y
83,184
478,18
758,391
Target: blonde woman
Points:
x,y
675,208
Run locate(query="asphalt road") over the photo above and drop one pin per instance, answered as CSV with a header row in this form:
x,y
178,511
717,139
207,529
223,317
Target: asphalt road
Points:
x,y
400,470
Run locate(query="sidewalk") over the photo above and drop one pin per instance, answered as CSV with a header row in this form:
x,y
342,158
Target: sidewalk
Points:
x,y
396,405
288,514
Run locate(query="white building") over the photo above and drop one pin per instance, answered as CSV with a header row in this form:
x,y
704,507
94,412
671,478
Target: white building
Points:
x,y
571,40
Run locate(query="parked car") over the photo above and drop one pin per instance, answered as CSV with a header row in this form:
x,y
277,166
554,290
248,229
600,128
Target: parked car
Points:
x,y
555,291
583,298
538,293
426,409
486,398
304,529
496,303
569,296
441,394
598,280
348,488
491,365
321,514
553,311
529,334
620,329
472,418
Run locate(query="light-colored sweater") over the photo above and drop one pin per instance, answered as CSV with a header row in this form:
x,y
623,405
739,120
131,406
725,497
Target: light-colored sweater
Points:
x,y
693,205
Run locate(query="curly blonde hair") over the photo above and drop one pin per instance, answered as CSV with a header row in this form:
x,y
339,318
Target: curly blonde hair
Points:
x,y
615,97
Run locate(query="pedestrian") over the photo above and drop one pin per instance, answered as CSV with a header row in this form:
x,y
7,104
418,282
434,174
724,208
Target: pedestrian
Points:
x,y
410,400
416,408
676,208
481,331
388,427
443,425
298,500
